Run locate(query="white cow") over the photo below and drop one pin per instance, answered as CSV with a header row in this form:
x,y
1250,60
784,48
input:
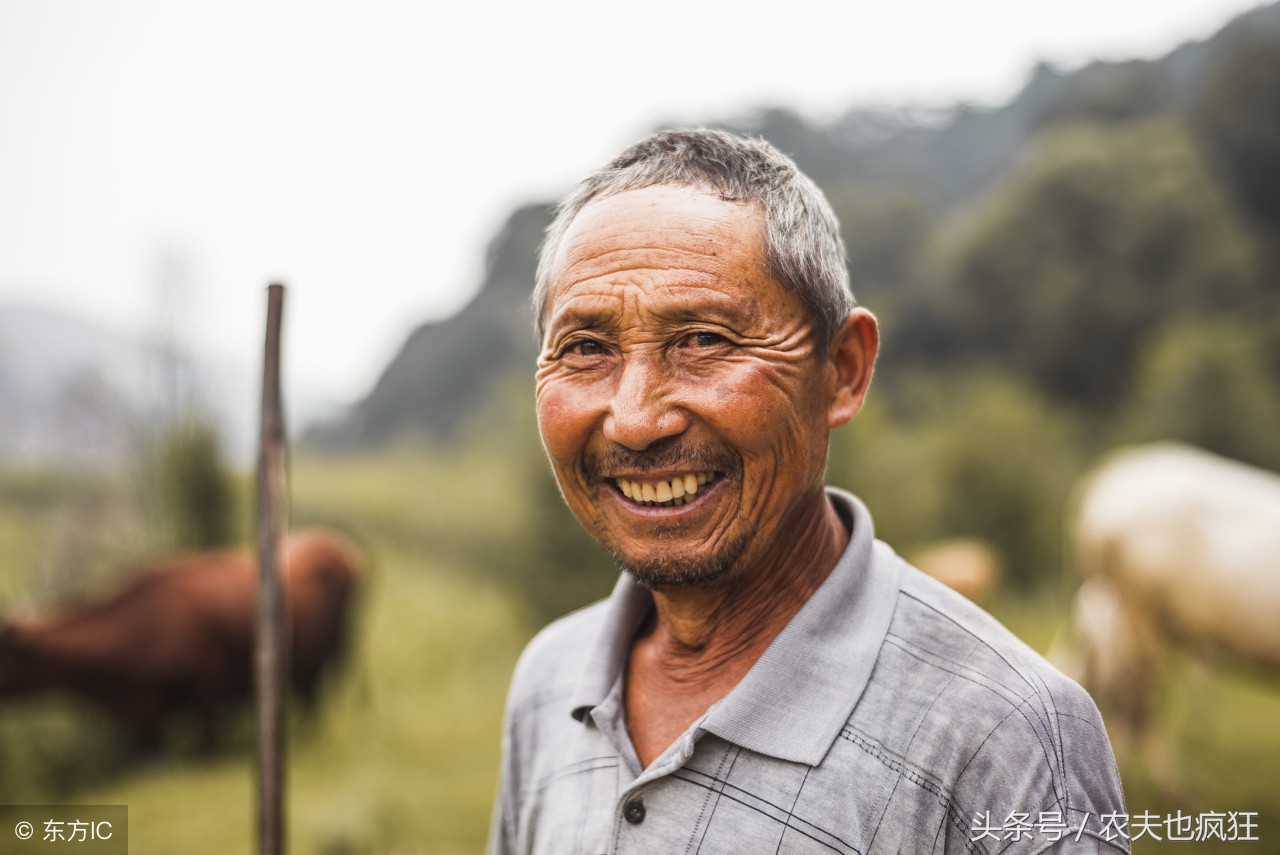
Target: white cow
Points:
x,y
1177,546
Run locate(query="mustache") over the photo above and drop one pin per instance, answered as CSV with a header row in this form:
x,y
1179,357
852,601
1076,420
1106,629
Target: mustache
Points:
x,y
668,455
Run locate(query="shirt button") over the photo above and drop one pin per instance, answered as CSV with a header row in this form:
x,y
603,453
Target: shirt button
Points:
x,y
633,811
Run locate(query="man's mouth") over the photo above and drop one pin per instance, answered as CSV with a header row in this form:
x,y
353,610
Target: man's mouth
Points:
x,y
668,493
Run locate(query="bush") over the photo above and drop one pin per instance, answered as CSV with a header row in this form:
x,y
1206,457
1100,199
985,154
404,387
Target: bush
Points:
x,y
981,457
1207,382
194,487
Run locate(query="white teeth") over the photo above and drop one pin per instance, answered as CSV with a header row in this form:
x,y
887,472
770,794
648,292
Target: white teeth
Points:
x,y
691,483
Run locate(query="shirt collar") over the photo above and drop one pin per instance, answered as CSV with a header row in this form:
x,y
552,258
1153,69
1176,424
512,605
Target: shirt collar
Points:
x,y
794,701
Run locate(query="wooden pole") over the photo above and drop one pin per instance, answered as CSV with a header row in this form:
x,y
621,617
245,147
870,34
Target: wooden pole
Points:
x,y
272,654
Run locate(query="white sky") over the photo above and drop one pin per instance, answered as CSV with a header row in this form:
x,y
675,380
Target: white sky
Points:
x,y
366,155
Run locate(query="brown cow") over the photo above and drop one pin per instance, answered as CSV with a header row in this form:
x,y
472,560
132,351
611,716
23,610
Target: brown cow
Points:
x,y
180,636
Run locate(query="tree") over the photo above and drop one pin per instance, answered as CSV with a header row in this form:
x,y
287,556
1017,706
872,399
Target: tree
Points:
x,y
1207,383
982,456
194,486
1096,240
1238,117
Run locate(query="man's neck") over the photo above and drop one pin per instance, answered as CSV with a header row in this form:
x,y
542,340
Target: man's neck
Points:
x,y
699,643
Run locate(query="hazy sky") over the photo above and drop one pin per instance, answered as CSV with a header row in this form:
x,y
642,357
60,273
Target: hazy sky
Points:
x,y
365,154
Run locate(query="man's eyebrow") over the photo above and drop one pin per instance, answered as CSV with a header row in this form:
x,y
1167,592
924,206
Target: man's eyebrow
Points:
x,y
690,314
577,317
595,313
721,308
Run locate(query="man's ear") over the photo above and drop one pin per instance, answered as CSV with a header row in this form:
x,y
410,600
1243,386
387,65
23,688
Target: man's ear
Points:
x,y
853,356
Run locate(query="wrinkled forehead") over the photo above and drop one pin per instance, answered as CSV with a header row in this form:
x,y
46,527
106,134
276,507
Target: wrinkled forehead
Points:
x,y
684,232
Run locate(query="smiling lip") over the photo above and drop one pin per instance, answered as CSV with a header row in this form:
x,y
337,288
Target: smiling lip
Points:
x,y
669,492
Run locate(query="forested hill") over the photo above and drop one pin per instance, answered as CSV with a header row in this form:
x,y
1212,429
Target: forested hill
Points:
x,y
1055,239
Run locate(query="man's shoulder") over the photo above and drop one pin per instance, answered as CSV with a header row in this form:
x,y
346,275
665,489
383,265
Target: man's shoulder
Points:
x,y
957,694
941,636
554,659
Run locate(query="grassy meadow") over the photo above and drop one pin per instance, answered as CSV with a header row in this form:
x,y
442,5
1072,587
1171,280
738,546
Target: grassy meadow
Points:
x,y
401,757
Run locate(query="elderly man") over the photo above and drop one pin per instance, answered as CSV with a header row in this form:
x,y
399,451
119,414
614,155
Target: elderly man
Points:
x,y
766,676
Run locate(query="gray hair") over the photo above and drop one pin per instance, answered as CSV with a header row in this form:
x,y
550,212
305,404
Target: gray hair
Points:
x,y
802,237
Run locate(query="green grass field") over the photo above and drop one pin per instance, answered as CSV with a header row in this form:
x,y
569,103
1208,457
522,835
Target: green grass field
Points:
x,y
401,758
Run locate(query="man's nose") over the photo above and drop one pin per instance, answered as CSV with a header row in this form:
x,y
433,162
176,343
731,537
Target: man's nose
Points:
x,y
643,410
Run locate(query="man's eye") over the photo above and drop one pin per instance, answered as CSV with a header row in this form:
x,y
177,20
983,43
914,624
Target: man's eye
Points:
x,y
706,339
587,347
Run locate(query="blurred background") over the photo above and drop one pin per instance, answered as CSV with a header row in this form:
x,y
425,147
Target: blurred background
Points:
x,y
1067,219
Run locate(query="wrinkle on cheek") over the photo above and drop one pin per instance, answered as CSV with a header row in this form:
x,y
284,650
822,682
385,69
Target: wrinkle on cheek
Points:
x,y
718,537
756,382
541,378
784,382
560,371
792,343
784,365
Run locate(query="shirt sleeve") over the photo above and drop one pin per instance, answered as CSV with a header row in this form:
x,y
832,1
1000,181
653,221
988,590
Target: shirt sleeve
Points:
x,y
1047,783
502,827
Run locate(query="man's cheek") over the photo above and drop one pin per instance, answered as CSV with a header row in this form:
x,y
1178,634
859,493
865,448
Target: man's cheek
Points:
x,y
559,420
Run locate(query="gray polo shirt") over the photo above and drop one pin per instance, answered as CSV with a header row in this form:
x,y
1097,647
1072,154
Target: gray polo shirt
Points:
x,y
890,715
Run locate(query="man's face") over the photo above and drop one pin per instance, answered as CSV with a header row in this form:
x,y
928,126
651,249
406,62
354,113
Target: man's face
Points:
x,y
676,369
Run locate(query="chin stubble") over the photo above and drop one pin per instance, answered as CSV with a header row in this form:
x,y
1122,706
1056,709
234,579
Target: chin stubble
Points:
x,y
673,571
685,571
